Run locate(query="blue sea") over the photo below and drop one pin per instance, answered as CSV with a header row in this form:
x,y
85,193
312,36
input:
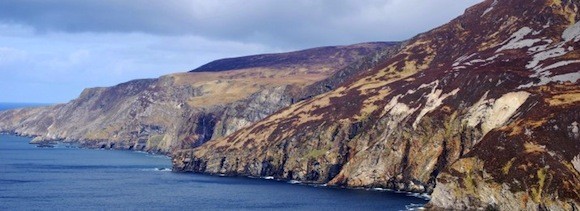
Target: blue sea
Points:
x,y
7,106
70,178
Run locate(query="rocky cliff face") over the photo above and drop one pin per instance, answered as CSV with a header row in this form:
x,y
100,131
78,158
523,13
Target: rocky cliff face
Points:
x,y
185,110
482,111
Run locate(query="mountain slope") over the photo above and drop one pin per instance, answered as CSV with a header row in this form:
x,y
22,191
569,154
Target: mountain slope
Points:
x,y
446,102
310,58
185,110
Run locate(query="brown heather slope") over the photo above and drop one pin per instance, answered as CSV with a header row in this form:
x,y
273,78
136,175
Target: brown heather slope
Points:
x,y
486,105
313,59
184,110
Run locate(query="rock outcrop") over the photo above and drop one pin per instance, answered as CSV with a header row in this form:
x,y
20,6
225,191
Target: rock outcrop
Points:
x,y
482,111
185,110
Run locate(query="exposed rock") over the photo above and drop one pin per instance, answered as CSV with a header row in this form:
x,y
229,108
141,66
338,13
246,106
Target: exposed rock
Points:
x,y
457,103
576,163
185,110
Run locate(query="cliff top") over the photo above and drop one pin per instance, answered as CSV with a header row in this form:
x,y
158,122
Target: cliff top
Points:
x,y
329,55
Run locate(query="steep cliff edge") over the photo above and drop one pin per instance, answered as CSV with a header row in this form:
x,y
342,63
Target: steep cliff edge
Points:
x,y
184,110
487,103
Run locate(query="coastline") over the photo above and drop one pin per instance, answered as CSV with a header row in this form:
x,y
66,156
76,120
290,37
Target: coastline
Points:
x,y
75,144
424,196
79,144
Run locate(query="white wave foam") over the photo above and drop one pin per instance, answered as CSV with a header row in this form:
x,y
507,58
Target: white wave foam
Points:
x,y
382,189
157,169
415,207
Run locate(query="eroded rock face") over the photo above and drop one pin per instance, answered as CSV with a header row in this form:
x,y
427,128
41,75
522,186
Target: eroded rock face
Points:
x,y
185,110
456,103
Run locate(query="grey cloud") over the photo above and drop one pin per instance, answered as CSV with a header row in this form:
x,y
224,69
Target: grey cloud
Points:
x,y
51,49
283,23
92,15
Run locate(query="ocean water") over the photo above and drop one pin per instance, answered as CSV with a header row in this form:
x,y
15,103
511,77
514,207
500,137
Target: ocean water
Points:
x,y
6,106
70,178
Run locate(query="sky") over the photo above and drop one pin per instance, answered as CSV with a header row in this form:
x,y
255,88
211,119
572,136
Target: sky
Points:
x,y
50,50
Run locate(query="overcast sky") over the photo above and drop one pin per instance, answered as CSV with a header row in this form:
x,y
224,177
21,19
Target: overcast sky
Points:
x,y
50,50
